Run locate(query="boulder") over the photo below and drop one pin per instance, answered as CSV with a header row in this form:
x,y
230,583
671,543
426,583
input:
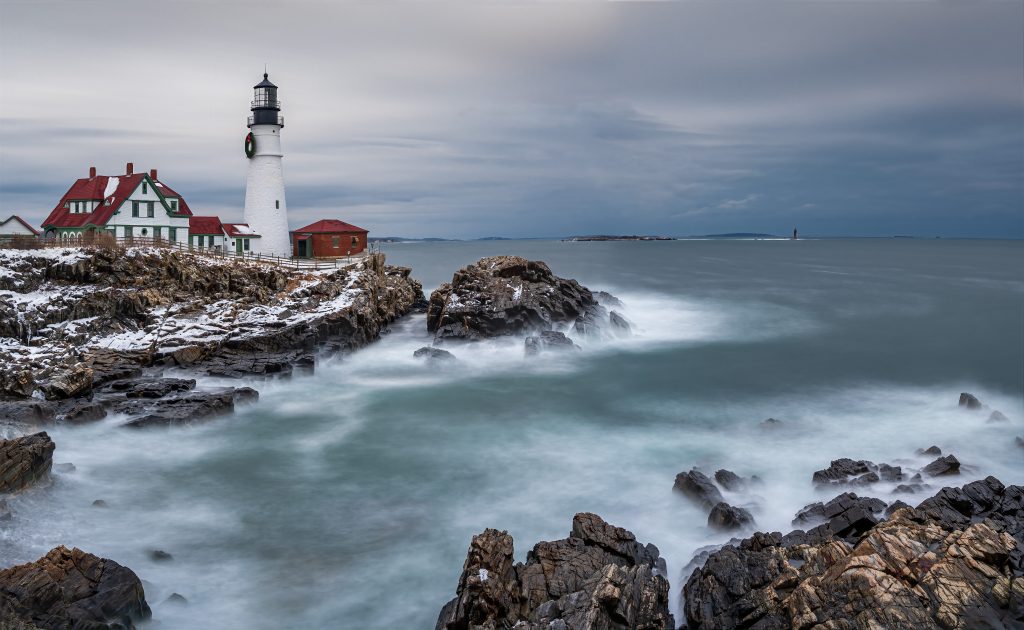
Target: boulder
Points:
x,y
25,460
619,324
770,423
730,480
607,299
75,381
152,388
505,295
69,588
598,577
696,486
184,408
28,411
998,416
952,563
16,381
948,465
547,340
433,355
847,516
83,411
842,470
931,450
968,401
725,517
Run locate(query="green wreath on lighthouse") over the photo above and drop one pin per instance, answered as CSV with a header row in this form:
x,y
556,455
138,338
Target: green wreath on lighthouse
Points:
x,y
250,145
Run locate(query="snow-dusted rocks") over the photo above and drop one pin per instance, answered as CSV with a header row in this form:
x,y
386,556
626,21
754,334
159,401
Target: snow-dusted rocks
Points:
x,y
72,320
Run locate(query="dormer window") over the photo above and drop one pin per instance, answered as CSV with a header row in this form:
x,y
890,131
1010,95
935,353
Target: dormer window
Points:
x,y
173,203
109,201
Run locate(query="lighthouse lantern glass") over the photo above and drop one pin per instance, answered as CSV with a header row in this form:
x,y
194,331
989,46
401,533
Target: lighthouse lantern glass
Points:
x,y
265,97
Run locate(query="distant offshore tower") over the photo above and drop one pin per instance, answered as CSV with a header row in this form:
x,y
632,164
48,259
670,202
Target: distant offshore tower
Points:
x,y
266,211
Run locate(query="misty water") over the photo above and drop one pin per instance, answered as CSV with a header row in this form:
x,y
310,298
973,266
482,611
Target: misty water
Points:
x,y
347,498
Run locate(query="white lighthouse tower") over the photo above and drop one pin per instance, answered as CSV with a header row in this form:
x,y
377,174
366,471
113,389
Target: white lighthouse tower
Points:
x,y
266,211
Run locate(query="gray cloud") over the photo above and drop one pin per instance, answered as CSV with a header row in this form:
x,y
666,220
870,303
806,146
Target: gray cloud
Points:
x,y
459,119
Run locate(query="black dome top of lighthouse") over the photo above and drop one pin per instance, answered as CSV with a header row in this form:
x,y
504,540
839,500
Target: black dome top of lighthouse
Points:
x,y
265,83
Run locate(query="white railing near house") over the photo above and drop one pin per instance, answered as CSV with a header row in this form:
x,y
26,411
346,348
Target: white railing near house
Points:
x,y
105,240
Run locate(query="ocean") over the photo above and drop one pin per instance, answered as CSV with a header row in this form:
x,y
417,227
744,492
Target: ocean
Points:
x,y
347,498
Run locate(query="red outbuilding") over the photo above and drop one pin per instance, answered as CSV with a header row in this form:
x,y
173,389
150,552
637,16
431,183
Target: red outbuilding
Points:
x,y
328,238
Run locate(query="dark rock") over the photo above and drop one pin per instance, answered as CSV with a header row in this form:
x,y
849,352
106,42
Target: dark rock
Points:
x,y
547,340
846,516
176,600
100,503
948,465
607,299
969,401
730,480
245,395
931,450
841,470
185,408
505,295
895,505
154,388
725,517
619,323
433,354
16,381
998,416
904,488
159,555
69,588
598,577
84,411
865,479
28,411
696,486
65,468
770,423
890,473
24,461
946,564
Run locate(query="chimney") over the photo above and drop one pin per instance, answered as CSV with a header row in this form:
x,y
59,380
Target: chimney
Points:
x,y
92,172
129,168
152,174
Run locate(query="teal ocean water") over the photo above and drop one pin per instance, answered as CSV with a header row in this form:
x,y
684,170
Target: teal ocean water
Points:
x,y
347,498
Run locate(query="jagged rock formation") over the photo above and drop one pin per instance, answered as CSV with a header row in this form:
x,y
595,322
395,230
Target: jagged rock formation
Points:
x,y
87,317
547,340
509,295
69,588
599,577
954,562
25,460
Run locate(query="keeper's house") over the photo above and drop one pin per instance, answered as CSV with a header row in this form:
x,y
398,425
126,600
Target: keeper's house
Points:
x,y
14,227
328,238
210,233
133,205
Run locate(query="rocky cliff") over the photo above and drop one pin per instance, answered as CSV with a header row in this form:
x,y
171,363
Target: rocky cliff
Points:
x,y
74,320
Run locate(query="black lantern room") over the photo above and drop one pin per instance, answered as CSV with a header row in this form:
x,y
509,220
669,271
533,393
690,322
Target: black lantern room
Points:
x,y
265,106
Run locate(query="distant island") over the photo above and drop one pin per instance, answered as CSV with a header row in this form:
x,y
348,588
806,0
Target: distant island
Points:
x,y
739,235
605,237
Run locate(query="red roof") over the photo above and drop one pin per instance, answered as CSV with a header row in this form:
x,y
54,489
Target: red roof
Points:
x,y
205,225
92,189
330,226
241,230
15,217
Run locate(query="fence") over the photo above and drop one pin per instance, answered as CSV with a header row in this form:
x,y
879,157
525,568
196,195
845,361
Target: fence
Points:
x,y
105,239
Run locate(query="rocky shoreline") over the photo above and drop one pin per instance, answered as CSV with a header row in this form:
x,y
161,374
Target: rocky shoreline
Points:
x,y
97,333
954,561
91,332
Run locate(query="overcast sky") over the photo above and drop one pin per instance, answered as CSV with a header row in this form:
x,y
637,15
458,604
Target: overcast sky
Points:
x,y
463,119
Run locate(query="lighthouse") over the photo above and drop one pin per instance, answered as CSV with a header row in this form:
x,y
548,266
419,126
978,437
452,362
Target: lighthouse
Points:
x,y
266,211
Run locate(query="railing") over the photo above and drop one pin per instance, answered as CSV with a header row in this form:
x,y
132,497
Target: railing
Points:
x,y
280,121
101,239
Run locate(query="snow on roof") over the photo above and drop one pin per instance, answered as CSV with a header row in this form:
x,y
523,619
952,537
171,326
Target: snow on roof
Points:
x,y
111,186
239,229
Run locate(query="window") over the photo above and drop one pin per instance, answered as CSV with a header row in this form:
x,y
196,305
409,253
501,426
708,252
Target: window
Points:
x,y
135,208
245,244
172,233
149,209
144,188
277,204
335,242
110,200
156,232
355,241
145,231
174,204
